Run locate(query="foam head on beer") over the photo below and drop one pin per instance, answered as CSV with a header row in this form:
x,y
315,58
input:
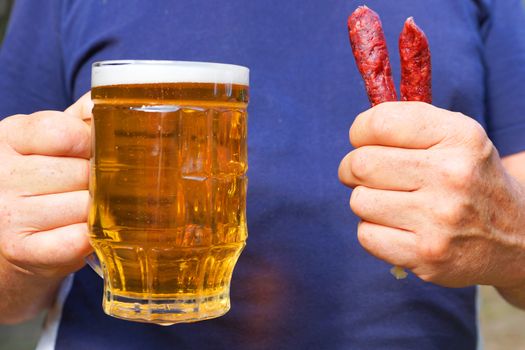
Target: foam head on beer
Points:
x,y
147,72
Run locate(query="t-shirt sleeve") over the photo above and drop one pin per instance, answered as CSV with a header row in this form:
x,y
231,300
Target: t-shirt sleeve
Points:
x,y
504,51
31,73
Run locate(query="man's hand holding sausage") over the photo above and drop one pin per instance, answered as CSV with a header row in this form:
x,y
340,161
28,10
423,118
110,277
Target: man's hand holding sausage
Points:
x,y
434,197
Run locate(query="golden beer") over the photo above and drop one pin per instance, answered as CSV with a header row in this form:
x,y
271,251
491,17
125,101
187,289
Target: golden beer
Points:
x,y
168,186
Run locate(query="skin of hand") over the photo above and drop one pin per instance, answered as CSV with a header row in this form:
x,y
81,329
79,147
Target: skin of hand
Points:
x,y
434,197
43,205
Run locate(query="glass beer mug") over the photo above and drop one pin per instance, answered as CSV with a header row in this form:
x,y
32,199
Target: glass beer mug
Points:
x,y
168,186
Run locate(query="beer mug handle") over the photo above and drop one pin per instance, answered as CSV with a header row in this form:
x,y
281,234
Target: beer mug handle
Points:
x,y
94,263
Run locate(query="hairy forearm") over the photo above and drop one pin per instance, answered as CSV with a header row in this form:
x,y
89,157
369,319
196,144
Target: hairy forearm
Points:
x,y
24,295
515,293
515,166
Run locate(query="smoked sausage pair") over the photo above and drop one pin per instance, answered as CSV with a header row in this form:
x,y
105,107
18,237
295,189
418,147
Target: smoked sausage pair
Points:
x,y
369,47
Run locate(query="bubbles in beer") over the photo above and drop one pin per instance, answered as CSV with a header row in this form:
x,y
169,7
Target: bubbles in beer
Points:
x,y
168,186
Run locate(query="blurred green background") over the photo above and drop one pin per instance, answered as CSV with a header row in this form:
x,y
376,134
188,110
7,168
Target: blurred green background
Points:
x,y
5,7
503,327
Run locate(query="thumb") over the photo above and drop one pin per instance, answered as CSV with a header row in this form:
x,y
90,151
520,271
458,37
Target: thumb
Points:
x,y
82,108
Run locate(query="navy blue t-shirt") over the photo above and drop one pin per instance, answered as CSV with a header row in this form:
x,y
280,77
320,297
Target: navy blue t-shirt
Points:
x,y
303,282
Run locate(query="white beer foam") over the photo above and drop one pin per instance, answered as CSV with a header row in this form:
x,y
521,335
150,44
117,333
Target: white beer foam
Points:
x,y
146,72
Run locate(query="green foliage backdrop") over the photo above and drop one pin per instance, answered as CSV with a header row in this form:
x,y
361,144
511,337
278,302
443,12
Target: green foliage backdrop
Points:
x,y
5,8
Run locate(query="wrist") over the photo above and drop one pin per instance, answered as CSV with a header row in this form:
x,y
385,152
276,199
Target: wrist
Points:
x,y
512,235
24,294
513,295
514,291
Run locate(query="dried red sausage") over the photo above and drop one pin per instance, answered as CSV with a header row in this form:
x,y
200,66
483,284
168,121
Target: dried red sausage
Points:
x,y
416,69
371,55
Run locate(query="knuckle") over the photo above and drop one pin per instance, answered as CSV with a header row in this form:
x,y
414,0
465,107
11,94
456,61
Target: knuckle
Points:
x,y
478,141
459,172
487,151
356,201
378,124
458,116
48,121
362,236
11,251
60,127
368,238
451,213
344,170
421,105
435,251
463,172
484,148
414,107
359,165
477,134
